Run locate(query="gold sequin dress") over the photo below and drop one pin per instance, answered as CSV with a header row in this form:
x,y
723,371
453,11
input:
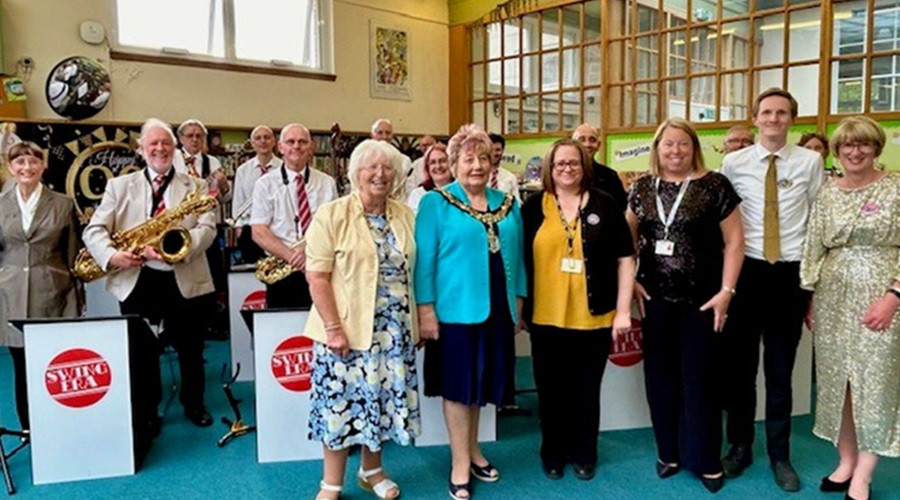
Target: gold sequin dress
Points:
x,y
851,256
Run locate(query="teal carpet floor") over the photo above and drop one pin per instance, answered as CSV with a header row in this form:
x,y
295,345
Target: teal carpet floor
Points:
x,y
185,462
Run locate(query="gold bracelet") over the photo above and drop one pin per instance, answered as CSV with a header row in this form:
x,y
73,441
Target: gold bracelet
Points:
x,y
332,326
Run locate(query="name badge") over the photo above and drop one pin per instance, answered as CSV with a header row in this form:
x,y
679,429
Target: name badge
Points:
x,y
665,247
573,266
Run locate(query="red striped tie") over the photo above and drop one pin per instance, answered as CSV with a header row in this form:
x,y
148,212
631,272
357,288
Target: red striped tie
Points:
x,y
157,184
190,165
303,211
494,179
263,169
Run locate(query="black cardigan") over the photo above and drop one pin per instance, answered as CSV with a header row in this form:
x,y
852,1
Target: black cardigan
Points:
x,y
603,241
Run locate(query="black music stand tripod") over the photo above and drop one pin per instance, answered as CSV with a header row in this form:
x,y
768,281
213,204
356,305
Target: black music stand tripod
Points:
x,y
237,427
4,456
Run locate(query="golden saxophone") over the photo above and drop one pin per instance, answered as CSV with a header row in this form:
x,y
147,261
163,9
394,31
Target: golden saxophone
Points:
x,y
272,269
160,232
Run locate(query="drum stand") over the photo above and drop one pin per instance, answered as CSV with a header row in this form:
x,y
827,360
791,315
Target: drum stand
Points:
x,y
4,456
237,427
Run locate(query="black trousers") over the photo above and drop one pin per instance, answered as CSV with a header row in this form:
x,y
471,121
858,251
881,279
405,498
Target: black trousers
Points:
x,y
568,369
680,378
21,388
769,305
250,251
156,297
292,291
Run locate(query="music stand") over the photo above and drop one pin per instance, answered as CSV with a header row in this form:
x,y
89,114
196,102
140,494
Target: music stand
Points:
x,y
4,456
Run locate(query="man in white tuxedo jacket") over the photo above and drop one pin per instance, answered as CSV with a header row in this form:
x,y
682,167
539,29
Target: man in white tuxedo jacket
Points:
x,y
145,285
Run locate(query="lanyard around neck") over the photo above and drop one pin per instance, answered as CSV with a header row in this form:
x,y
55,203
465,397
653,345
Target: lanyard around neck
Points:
x,y
667,219
570,229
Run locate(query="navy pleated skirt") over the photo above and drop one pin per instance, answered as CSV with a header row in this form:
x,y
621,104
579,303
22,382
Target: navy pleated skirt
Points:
x,y
468,363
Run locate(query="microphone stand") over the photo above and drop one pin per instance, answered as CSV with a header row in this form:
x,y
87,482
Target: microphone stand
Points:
x,y
237,427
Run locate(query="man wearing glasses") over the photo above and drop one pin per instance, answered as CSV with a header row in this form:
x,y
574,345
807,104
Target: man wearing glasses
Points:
x,y
737,138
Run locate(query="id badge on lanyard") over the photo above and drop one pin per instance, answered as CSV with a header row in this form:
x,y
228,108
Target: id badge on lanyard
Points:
x,y
666,247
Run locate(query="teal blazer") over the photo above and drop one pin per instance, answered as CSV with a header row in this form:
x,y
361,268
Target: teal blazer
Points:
x,y
452,270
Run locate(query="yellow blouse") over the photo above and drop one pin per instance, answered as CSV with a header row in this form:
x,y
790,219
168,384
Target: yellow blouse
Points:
x,y
560,298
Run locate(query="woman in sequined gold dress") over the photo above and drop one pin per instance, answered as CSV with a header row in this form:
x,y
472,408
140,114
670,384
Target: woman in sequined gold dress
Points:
x,y
360,253
851,261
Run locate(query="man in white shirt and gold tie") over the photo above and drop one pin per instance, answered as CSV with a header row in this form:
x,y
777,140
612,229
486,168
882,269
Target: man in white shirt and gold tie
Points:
x,y
262,139
777,183
284,201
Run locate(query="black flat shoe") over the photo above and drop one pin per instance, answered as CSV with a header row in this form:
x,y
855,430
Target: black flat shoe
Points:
x,y
739,457
829,486
553,470
666,470
713,484
585,472
487,473
456,489
199,416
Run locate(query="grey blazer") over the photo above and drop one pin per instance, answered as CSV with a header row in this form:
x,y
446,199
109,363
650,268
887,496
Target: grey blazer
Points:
x,y
35,281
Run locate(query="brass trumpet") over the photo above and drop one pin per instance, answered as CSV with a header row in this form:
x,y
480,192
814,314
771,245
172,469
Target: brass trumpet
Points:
x,y
272,269
161,232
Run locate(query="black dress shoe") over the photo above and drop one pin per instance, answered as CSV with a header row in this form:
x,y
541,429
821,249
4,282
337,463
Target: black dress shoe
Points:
x,y
713,484
553,470
199,416
584,471
829,486
739,457
666,470
785,476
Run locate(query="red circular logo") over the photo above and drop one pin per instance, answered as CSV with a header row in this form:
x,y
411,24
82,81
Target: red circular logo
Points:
x,y
78,378
627,350
292,363
255,301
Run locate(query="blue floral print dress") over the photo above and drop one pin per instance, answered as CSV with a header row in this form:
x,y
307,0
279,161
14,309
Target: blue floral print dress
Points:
x,y
369,397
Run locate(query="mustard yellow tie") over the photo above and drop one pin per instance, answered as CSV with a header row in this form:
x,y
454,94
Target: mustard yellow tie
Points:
x,y
771,232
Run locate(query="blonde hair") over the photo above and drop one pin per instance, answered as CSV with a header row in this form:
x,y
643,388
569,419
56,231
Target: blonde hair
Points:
x,y
858,129
697,162
469,136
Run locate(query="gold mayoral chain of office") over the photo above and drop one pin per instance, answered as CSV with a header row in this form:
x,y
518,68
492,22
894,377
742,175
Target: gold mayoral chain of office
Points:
x,y
489,218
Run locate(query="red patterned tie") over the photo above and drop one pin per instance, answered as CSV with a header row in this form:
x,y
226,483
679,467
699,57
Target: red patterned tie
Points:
x,y
189,161
303,211
157,184
494,179
263,169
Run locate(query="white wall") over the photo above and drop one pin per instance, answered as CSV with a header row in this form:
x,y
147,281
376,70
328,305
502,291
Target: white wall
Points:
x,y
47,31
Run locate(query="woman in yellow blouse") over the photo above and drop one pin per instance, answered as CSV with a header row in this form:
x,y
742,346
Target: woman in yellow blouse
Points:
x,y
580,265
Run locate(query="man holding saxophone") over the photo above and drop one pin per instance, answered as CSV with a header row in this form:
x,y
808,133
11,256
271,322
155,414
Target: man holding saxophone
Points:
x,y
144,282
284,201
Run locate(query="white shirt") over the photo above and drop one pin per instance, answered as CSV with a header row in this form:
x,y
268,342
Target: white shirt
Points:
x,y
27,208
416,177
180,163
275,204
507,182
244,179
415,196
400,192
148,202
800,175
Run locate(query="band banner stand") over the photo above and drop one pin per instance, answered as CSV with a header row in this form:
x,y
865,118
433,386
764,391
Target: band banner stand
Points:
x,y
236,427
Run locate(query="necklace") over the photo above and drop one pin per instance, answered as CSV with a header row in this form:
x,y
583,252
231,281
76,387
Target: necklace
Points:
x,y
489,218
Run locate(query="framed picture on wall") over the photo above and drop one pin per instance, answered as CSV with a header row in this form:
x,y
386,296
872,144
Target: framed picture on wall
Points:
x,y
389,74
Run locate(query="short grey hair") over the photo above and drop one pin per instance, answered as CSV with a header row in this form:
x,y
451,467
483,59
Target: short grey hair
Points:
x,y
261,127
381,120
188,123
284,131
366,150
152,123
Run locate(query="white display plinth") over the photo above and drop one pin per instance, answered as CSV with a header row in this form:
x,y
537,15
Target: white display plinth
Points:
x,y
79,396
244,292
283,381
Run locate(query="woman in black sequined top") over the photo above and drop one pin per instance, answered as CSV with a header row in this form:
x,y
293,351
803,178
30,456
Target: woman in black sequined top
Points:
x,y
689,238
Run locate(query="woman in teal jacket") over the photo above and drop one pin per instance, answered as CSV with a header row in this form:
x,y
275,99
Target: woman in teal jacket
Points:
x,y
470,283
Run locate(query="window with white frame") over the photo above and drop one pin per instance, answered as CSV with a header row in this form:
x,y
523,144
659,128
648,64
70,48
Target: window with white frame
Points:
x,y
281,33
